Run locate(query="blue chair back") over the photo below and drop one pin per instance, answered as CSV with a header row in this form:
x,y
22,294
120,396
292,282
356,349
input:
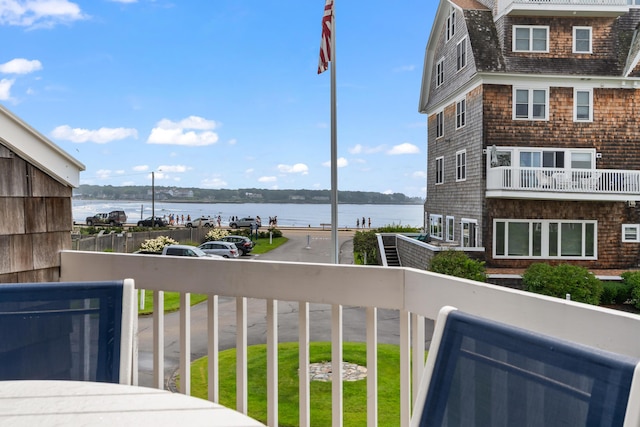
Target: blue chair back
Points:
x,y
487,373
61,331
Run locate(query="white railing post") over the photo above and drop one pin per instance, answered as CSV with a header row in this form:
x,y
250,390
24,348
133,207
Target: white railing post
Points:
x,y
303,363
417,331
158,339
185,343
405,369
241,355
336,365
272,362
212,348
372,366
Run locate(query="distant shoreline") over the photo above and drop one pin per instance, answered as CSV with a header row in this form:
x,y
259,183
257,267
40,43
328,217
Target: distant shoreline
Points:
x,y
259,202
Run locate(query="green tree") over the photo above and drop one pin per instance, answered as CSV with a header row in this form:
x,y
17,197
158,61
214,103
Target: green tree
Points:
x,y
365,242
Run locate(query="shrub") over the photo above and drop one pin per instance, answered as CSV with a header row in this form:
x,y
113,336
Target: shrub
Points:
x,y
615,293
276,232
215,234
632,280
157,244
365,242
563,279
393,228
457,263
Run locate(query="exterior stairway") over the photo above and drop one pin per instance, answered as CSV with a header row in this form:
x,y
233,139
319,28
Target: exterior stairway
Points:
x,y
391,253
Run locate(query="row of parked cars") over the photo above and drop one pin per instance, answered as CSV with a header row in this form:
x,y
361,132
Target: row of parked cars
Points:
x,y
226,247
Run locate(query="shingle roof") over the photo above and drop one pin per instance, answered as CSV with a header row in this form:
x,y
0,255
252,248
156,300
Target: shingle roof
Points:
x,y
484,40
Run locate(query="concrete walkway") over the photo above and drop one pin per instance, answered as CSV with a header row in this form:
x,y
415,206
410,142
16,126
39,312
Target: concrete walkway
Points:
x,y
304,245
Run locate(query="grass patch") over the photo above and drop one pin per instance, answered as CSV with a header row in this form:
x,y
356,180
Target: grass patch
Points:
x,y
355,393
262,245
171,301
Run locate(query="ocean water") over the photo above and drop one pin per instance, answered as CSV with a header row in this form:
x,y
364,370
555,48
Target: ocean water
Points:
x,y
289,214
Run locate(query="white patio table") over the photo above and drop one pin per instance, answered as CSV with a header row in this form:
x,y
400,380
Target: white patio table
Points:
x,y
81,403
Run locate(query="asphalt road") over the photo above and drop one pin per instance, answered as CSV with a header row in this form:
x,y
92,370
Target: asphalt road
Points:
x,y
304,245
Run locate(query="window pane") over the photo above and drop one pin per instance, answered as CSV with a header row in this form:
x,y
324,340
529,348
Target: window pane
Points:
x,y
522,96
539,97
582,113
589,239
537,239
499,233
540,39
553,239
522,39
581,160
571,244
522,110
539,112
518,238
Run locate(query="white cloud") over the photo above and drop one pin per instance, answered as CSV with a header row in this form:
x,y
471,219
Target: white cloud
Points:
x,y
39,13
125,1
193,131
388,192
405,148
342,162
233,141
5,89
20,66
141,168
213,183
300,168
267,179
173,168
100,136
361,149
249,171
104,173
404,68
419,175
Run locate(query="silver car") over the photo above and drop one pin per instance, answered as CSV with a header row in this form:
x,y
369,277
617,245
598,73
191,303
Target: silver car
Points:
x,y
224,249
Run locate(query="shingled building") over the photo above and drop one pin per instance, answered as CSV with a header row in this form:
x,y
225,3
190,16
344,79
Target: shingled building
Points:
x,y
533,136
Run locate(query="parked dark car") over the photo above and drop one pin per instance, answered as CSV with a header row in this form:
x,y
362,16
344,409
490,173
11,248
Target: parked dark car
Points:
x,y
159,222
113,218
244,244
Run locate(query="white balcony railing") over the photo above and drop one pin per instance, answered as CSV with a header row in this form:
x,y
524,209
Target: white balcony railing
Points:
x,y
576,2
604,184
565,7
414,294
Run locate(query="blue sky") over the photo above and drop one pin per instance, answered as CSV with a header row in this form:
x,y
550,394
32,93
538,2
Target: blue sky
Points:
x,y
222,93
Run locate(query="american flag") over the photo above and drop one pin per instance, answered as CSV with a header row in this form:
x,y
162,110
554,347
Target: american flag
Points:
x,y
325,41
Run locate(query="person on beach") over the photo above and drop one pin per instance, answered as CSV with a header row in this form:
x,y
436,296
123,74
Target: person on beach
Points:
x,y
357,222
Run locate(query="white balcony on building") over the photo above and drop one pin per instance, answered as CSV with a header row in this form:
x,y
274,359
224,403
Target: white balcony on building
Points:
x,y
415,295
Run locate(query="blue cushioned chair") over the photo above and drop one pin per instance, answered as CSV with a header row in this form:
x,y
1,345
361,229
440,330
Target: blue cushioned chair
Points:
x,y
67,331
484,373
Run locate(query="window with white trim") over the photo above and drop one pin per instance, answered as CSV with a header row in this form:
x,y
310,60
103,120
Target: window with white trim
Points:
x,y
461,113
461,54
581,39
530,38
530,104
451,23
461,165
631,232
435,226
440,73
582,105
469,232
440,124
550,239
439,170
450,231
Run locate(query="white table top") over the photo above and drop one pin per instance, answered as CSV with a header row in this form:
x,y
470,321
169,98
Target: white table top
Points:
x,y
79,403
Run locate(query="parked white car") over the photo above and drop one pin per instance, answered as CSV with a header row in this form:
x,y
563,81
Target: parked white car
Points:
x,y
203,221
186,250
224,249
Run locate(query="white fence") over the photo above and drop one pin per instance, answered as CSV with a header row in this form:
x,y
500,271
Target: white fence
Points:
x,y
415,294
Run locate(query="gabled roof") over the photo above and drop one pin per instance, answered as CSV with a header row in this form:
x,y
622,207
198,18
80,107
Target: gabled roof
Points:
x,y
35,148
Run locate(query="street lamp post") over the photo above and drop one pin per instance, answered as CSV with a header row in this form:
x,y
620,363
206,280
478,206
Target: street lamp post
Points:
x,y
153,199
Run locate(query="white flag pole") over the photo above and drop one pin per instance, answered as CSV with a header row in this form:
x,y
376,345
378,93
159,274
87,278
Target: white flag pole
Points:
x,y
334,147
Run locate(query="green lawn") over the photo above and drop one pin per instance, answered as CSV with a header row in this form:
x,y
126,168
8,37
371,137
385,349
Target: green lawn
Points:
x,y
355,393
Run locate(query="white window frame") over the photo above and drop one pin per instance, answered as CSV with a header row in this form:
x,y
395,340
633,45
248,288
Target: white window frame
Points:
x,y
440,72
451,24
575,40
530,104
631,233
575,105
450,231
466,239
435,226
439,170
461,113
461,165
461,54
439,124
544,243
531,29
